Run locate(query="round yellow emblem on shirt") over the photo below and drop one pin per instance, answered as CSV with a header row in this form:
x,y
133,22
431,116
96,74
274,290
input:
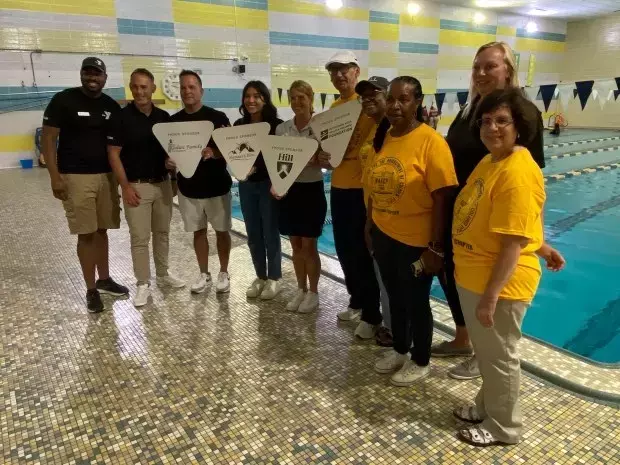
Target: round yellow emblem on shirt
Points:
x,y
388,181
466,206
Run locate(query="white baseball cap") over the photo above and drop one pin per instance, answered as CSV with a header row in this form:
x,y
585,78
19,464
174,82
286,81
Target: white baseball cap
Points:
x,y
345,57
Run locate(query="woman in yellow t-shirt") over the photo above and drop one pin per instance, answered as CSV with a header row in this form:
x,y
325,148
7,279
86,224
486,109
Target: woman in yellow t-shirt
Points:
x,y
497,231
410,180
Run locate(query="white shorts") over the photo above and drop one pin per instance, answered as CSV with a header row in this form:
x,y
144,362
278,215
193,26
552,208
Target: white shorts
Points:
x,y
198,213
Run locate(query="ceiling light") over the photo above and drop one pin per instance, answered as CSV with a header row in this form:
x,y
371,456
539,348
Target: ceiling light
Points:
x,y
531,27
541,12
413,8
479,17
333,4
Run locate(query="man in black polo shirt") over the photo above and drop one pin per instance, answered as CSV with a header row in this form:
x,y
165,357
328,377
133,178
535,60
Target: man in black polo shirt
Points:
x,y
205,197
80,174
139,163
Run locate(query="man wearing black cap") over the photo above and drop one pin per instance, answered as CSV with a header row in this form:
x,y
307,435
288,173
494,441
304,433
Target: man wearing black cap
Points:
x,y
80,174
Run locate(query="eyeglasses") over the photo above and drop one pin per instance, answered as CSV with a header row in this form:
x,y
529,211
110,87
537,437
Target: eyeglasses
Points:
x,y
369,98
342,69
500,123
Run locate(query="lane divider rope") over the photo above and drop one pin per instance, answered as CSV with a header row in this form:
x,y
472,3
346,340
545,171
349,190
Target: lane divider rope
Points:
x,y
578,142
574,173
585,152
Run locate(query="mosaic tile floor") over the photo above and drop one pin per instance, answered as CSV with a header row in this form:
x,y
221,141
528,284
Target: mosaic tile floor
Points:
x,y
220,380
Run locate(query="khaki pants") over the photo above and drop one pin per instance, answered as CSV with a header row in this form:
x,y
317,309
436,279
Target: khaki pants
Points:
x,y
496,350
153,215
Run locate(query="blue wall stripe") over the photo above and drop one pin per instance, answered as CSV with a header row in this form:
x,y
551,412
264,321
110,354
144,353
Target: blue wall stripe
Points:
x,y
467,27
450,91
415,47
311,40
33,98
254,4
384,17
541,35
222,97
145,28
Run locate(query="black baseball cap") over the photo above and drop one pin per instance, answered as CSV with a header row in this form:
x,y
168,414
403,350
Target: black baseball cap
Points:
x,y
376,82
94,62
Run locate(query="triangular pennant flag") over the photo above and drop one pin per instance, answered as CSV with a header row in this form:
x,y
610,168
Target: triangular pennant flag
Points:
x,y
547,91
336,97
323,98
584,90
598,96
531,92
618,82
428,100
603,89
183,142
575,93
280,93
285,158
450,100
439,98
335,128
462,97
288,95
565,93
240,145
616,93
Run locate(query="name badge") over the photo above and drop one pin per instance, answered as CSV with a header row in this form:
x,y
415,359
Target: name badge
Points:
x,y
83,113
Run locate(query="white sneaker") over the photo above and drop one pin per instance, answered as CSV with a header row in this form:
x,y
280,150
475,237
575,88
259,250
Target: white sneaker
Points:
x,y
392,361
271,289
201,283
365,330
350,314
466,370
170,280
223,283
255,288
409,374
310,303
294,304
142,295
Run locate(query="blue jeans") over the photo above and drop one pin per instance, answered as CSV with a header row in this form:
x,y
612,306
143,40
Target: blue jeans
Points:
x,y
260,213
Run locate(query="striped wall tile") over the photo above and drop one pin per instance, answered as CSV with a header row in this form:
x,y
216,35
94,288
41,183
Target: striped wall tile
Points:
x,y
416,47
541,35
208,14
383,60
535,45
384,17
61,41
317,9
254,4
222,98
17,98
464,38
78,7
303,24
383,31
145,28
419,21
311,40
467,26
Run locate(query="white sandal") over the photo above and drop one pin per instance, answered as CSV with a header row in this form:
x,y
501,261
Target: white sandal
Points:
x,y
479,436
468,413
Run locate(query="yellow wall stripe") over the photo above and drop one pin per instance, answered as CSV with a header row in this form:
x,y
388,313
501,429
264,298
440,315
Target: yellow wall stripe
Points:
x,y
454,61
420,73
537,45
506,31
317,9
257,53
283,75
62,41
74,7
383,59
464,39
383,31
418,21
16,143
217,15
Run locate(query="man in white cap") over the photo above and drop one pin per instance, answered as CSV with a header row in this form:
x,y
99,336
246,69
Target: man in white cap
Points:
x,y
348,208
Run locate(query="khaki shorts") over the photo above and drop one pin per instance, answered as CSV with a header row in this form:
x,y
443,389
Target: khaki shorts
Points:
x,y
198,213
93,202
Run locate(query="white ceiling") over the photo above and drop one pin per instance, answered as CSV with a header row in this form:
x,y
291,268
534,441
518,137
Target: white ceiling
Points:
x,y
565,9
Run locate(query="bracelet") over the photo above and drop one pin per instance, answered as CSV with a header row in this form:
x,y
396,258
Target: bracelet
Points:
x,y
436,248
439,254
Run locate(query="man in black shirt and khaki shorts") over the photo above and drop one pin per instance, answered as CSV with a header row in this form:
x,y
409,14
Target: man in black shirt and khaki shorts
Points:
x,y
80,174
205,197
139,163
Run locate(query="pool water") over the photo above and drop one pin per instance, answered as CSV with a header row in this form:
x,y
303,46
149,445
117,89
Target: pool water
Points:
x,y
577,309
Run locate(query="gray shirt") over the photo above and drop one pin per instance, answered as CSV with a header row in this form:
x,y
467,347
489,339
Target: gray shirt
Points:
x,y
311,173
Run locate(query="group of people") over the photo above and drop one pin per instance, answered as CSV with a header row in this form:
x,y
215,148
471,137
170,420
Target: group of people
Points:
x,y
407,204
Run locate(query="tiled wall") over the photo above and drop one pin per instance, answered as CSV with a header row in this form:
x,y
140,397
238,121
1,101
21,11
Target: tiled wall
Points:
x,y
592,52
283,40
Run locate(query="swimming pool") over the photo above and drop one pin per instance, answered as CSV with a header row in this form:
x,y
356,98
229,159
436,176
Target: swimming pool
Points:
x,y
577,309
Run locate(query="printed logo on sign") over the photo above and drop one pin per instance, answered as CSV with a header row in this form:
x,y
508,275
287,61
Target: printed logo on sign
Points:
x,y
285,164
324,134
388,182
466,206
243,151
182,148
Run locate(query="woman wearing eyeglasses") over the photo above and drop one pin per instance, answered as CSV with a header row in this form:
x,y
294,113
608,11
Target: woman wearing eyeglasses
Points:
x,y
493,68
497,232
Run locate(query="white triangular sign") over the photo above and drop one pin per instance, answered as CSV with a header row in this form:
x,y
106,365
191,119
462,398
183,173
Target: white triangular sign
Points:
x,y
183,142
565,92
285,158
603,90
240,145
335,127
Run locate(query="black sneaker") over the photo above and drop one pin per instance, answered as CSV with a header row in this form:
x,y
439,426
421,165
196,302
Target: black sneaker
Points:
x,y
108,286
93,301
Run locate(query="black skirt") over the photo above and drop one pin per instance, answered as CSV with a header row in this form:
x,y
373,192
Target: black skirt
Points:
x,y
303,210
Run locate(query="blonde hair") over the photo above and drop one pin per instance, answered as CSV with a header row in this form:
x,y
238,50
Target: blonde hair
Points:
x,y
306,89
509,61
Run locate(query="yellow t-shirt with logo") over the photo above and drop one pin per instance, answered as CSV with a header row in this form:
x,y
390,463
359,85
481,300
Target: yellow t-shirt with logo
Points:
x,y
504,197
403,174
367,155
348,175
